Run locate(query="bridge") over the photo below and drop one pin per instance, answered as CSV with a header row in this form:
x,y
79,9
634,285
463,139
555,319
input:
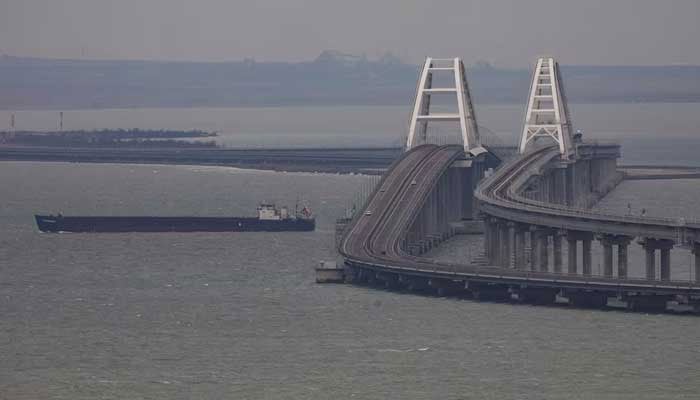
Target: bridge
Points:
x,y
529,207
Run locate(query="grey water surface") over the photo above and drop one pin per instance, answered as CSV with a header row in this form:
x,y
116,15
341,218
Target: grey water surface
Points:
x,y
238,316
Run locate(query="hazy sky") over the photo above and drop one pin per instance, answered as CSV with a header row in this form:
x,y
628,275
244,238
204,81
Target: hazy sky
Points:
x,y
505,32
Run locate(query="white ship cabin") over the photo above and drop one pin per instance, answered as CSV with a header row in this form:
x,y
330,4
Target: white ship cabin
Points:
x,y
269,212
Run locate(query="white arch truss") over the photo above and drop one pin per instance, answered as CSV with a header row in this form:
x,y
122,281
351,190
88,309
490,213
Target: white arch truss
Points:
x,y
547,113
465,116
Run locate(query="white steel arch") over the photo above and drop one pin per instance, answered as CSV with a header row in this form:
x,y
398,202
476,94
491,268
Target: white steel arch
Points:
x,y
547,110
418,127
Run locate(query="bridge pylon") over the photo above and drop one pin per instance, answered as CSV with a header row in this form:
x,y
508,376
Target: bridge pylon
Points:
x,y
547,113
465,116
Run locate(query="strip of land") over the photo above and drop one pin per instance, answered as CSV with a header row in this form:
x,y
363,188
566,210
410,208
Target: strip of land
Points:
x,y
360,160
335,160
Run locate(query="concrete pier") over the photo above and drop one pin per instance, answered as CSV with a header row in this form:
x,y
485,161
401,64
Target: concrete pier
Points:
x,y
609,242
488,238
650,246
665,271
512,252
530,250
572,239
556,251
572,253
505,258
449,209
586,253
519,248
541,250
607,258
622,258
330,272
650,262
696,253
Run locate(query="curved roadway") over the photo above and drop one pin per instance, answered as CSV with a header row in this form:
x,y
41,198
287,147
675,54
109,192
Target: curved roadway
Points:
x,y
373,239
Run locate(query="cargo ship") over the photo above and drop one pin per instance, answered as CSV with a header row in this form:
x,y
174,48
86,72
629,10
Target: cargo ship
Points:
x,y
269,219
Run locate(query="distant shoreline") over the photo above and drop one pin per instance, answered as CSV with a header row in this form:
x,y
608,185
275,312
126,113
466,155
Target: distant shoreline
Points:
x,y
366,103
331,79
111,138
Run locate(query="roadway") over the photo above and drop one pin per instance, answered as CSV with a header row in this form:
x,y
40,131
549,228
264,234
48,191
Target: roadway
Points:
x,y
373,240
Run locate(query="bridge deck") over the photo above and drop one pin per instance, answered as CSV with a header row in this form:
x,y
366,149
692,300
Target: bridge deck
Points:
x,y
374,238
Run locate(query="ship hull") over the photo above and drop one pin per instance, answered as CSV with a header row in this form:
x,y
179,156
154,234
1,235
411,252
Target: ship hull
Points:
x,y
49,223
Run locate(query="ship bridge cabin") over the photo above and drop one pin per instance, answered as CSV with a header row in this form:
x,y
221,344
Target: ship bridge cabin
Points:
x,y
267,211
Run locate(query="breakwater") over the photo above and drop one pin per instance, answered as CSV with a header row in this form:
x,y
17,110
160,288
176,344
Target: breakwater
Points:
x,y
338,160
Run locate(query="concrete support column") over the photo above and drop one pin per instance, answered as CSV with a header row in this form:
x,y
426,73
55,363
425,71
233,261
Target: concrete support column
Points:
x,y
556,251
622,260
536,252
607,259
468,199
570,185
497,243
512,246
542,251
520,261
650,262
586,255
494,247
665,270
573,256
608,241
505,245
543,188
488,238
650,246
696,252
562,187
531,249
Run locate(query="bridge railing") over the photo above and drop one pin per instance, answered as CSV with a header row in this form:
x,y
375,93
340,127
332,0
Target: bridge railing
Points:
x,y
422,264
441,266
360,197
532,205
535,205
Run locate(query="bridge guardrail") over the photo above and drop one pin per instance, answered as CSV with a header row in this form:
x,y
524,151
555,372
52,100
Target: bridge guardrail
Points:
x,y
458,270
483,194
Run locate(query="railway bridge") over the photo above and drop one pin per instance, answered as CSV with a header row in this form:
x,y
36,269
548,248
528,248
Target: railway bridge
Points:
x,y
529,206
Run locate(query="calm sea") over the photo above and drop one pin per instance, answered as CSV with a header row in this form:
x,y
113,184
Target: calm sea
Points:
x,y
238,316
